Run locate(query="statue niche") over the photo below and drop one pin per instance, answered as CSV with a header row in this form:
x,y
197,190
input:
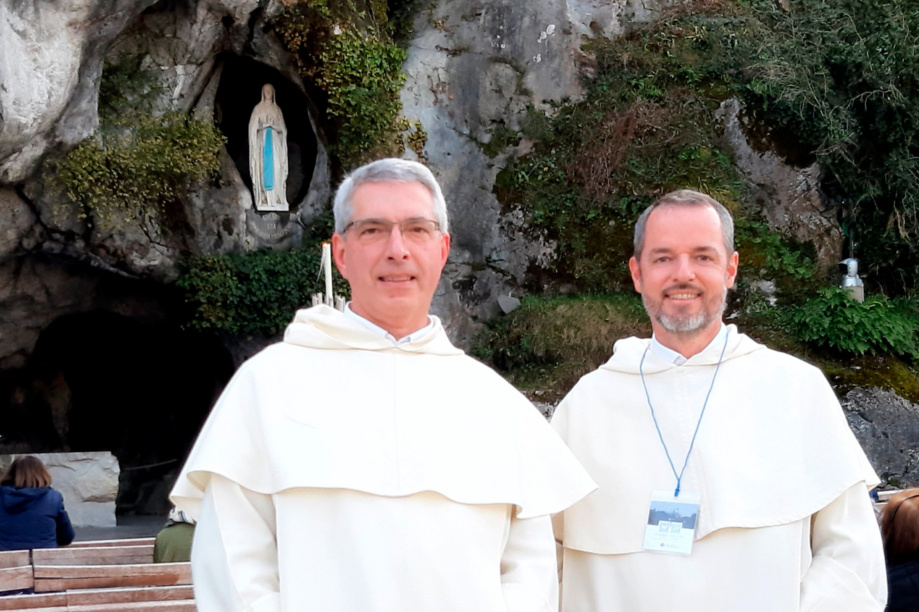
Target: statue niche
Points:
x,y
268,154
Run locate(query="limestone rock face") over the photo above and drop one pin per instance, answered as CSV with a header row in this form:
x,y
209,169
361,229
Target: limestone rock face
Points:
x,y
32,295
49,71
473,68
88,482
887,426
788,198
16,219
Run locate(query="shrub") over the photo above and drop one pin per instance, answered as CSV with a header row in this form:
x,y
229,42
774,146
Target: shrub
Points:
x,y
348,54
361,75
878,325
139,170
765,250
250,293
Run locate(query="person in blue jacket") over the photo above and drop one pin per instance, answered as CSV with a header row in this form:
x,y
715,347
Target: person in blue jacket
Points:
x,y
32,514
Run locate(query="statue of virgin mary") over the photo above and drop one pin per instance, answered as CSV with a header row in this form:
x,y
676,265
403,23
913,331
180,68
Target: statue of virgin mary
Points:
x,y
268,153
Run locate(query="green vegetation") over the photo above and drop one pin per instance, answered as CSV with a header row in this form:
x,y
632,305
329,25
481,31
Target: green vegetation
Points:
x,y
844,78
251,293
501,137
347,51
361,75
549,343
140,163
415,136
878,325
141,171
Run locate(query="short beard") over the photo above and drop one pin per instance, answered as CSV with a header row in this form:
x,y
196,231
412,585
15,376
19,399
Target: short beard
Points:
x,y
688,326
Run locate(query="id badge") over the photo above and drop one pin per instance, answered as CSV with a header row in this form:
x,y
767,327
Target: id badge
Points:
x,y
672,522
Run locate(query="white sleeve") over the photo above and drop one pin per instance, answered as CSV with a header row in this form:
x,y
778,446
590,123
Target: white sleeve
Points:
x,y
847,572
529,575
234,556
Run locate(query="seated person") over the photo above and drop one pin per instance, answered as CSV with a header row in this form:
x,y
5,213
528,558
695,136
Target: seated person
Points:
x,y
32,514
173,542
900,530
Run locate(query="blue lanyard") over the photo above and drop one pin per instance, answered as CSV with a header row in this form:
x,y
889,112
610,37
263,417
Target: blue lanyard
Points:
x,y
679,477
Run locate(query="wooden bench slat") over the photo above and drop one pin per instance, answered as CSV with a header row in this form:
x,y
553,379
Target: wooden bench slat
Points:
x,y
183,605
121,542
62,578
129,595
14,558
15,578
94,555
99,582
46,601
91,571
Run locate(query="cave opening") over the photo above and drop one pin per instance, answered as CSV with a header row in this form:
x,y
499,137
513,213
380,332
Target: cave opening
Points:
x,y
103,381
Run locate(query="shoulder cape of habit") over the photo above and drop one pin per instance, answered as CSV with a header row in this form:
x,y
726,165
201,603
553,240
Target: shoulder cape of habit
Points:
x,y
773,447
336,406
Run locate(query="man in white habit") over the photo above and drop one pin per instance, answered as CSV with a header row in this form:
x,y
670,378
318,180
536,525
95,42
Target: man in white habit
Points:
x,y
728,477
366,464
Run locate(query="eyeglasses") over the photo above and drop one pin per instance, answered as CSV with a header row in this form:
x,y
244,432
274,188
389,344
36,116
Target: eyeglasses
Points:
x,y
370,231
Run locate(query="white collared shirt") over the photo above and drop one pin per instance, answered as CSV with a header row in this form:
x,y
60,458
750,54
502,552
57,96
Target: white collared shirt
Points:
x,y
671,356
385,334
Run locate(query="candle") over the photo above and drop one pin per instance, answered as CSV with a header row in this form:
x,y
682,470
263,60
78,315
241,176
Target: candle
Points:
x,y
327,267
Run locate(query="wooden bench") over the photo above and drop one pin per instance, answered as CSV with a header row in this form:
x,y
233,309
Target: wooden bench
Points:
x,y
178,598
15,570
95,576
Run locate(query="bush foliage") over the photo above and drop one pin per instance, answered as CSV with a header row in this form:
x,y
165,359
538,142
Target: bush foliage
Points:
x,y
139,170
878,325
140,162
346,50
843,76
251,293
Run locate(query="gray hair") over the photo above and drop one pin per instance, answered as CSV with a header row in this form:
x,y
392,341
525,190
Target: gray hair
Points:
x,y
686,197
389,170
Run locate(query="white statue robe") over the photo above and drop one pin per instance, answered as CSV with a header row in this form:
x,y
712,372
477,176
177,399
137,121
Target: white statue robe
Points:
x,y
785,522
339,471
268,138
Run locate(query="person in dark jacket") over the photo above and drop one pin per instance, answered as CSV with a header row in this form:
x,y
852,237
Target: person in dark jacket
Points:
x,y
32,514
900,530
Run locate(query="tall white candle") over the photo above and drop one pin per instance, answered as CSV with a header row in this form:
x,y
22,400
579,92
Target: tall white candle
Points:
x,y
327,265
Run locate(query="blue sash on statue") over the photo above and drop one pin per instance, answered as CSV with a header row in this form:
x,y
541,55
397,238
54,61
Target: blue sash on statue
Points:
x,y
268,162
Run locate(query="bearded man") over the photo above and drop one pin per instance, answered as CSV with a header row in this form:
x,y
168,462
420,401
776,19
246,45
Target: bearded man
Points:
x,y
728,477
364,463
